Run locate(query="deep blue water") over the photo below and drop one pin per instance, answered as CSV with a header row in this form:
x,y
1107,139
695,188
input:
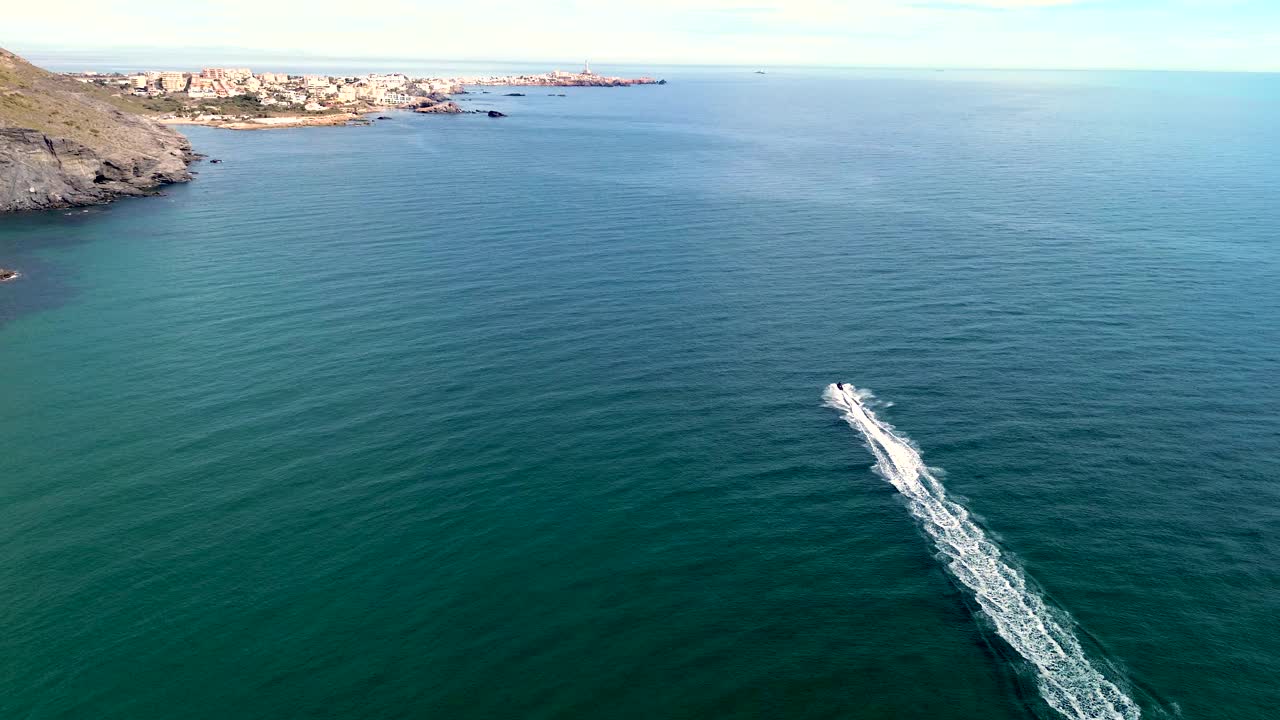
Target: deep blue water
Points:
x,y
468,418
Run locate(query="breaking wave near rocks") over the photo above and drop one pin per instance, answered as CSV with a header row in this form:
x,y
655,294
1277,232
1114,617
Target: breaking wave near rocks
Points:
x,y
1068,681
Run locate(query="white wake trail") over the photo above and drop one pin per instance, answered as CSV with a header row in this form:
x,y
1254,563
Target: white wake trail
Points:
x,y
1068,682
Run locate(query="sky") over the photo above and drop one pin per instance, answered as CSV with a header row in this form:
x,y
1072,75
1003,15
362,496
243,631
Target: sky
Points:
x,y
1139,34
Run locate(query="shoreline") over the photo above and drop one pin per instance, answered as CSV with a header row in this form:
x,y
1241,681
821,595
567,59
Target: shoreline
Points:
x,y
270,123
442,104
73,163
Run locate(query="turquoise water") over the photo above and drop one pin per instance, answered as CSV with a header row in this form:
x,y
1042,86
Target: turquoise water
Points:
x,y
468,418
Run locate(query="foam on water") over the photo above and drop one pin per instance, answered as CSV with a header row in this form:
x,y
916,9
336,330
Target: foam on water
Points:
x,y
1068,681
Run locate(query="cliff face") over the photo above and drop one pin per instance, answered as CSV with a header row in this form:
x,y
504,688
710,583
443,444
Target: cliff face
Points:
x,y
38,171
64,143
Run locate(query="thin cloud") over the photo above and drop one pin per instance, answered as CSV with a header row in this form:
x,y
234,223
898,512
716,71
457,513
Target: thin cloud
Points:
x,y
932,33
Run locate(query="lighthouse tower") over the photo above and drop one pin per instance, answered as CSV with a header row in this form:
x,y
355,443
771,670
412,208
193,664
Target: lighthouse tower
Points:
x,y
586,67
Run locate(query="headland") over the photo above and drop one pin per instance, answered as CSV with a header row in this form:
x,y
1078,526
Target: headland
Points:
x,y
65,143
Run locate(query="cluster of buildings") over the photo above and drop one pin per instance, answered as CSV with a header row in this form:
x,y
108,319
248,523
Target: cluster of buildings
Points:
x,y
560,78
312,92
325,92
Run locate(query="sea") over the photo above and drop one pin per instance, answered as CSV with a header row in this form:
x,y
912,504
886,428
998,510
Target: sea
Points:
x,y
818,393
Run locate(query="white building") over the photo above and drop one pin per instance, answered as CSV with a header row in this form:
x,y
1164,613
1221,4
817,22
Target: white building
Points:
x,y
387,82
173,81
396,98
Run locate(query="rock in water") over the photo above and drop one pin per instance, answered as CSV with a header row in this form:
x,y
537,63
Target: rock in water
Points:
x,y
495,113
7,274
449,107
64,143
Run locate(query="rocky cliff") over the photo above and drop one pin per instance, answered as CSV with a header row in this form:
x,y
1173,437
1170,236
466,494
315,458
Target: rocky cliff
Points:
x,y
64,143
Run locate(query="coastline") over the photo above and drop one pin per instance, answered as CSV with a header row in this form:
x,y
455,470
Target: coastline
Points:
x,y
269,123
124,140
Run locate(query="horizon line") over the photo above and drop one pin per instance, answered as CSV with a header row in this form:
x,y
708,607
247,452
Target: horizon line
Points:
x,y
303,55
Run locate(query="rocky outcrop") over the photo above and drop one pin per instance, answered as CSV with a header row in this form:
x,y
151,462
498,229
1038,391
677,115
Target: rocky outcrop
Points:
x,y
495,113
448,107
63,143
40,172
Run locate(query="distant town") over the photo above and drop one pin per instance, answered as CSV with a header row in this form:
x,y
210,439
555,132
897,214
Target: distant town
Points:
x,y
221,95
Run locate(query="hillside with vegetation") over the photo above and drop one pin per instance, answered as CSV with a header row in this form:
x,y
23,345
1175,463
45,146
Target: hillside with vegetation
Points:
x,y
65,143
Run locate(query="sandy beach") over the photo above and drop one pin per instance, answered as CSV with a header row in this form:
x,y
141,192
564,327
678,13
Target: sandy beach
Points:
x,y
267,123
